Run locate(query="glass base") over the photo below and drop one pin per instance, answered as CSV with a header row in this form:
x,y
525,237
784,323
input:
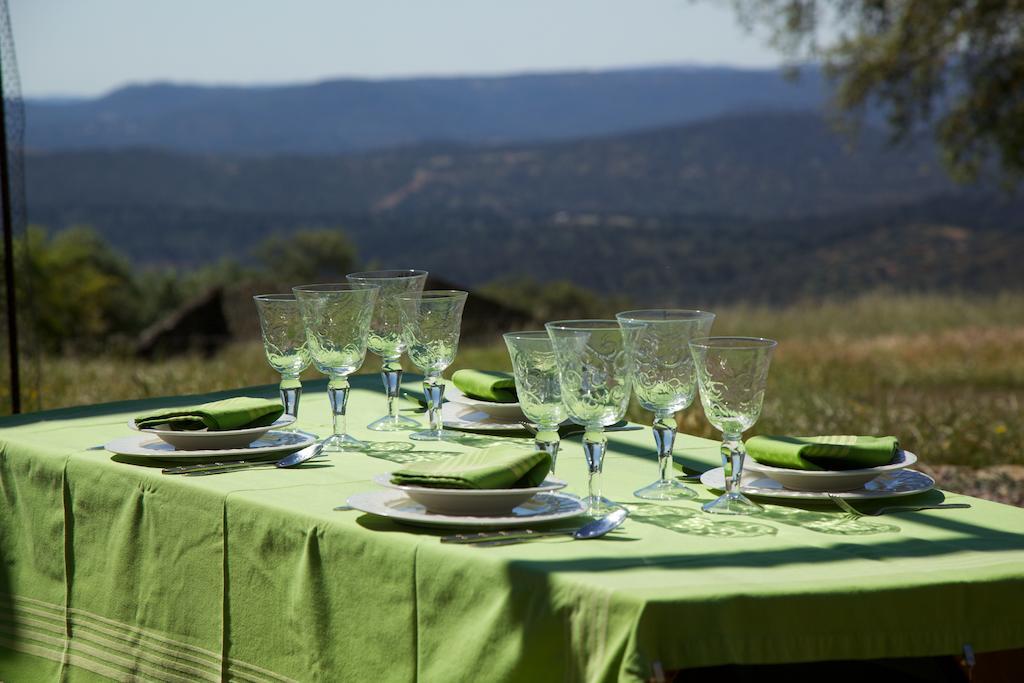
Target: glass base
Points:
x,y
599,506
667,489
441,435
397,423
732,504
336,443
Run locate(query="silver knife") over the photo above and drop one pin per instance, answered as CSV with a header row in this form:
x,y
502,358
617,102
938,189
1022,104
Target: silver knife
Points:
x,y
290,460
593,529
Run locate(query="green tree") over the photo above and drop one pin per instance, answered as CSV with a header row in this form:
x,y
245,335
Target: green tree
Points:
x,y
75,288
956,65
310,255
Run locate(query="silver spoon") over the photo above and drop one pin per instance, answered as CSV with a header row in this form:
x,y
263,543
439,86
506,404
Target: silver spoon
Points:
x,y
291,460
593,529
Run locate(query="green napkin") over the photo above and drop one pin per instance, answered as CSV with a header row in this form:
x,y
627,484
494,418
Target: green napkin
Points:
x,y
486,385
497,467
819,453
231,413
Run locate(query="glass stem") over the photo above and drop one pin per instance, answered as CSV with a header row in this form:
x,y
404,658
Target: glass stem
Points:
x,y
337,391
664,429
733,453
291,392
433,392
391,375
547,440
594,444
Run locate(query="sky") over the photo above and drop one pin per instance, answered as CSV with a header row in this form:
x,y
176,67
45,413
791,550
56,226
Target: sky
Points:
x,y
90,47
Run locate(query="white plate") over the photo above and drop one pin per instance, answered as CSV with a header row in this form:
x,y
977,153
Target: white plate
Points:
x,y
889,485
201,439
143,445
832,481
469,501
459,416
395,505
506,411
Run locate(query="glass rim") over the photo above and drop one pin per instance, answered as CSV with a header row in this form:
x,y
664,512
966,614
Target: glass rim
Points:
x,y
274,297
389,274
434,294
647,315
734,342
527,334
582,324
328,287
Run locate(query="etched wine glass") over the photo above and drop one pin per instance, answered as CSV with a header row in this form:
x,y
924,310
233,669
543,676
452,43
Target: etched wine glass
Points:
x,y
537,386
386,338
732,373
431,324
664,381
284,343
593,372
337,321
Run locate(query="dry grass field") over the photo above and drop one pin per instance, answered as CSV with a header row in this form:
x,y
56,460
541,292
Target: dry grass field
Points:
x,y
944,373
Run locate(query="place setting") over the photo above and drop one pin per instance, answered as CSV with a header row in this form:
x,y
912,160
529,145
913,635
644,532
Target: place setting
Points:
x,y
241,431
510,486
229,430
500,486
732,376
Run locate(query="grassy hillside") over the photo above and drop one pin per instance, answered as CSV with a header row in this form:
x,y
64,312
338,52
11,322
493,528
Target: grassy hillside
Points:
x,y
761,165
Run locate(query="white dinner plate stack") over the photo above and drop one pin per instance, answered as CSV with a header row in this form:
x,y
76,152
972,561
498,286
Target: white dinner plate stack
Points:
x,y
487,508
884,481
202,445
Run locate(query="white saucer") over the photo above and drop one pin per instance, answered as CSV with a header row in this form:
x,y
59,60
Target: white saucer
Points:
x,y
396,505
469,501
143,445
833,481
506,411
201,439
459,416
889,485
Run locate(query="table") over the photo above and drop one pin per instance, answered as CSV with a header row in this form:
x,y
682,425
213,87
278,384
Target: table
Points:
x,y
115,570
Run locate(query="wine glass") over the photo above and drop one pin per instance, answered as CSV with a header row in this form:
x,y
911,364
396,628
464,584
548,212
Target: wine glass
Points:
x,y
664,381
337,320
593,372
386,336
732,373
431,323
537,387
284,342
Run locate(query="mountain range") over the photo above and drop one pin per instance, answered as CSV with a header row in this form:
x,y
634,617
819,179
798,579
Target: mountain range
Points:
x,y
346,115
716,184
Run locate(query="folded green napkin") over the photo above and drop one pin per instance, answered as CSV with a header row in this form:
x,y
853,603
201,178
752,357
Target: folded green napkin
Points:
x,y
486,385
819,453
497,467
231,413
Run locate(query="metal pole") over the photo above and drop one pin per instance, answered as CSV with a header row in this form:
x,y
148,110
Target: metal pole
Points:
x,y
12,310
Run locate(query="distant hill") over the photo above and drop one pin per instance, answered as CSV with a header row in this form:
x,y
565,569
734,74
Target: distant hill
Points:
x,y
349,115
753,165
770,206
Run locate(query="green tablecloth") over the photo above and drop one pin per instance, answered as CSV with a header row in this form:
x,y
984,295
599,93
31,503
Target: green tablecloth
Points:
x,y
112,570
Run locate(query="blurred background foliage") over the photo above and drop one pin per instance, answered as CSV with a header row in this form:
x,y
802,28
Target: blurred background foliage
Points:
x,y
955,66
